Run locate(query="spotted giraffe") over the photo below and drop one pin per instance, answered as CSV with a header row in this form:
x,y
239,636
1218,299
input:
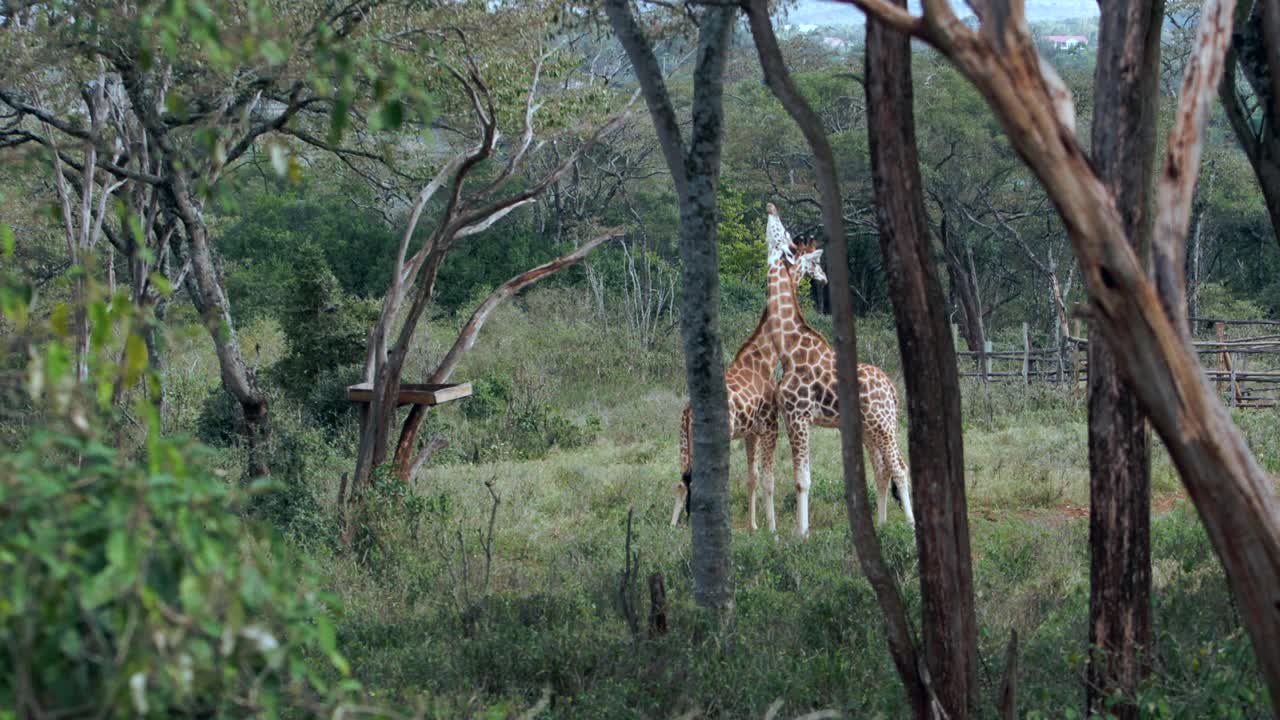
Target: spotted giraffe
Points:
x,y
753,416
807,391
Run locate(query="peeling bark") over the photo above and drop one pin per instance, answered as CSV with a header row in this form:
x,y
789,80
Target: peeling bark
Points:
x,y
1119,447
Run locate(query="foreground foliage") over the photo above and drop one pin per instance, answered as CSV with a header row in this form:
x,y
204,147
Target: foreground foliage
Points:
x,y
133,586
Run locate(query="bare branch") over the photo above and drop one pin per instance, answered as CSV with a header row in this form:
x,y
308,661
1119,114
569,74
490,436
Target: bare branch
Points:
x,y
1177,182
895,17
467,338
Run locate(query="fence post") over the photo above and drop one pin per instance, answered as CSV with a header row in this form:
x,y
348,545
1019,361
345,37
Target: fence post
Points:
x,y
1026,355
1226,362
986,360
1220,332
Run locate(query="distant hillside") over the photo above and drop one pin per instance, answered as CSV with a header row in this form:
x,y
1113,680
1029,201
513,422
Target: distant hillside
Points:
x,y
807,13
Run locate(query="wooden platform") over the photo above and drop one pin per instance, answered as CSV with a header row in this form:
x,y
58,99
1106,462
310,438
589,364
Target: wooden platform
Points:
x,y
410,394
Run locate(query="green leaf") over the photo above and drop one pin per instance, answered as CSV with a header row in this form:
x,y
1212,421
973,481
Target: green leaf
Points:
x,y
7,243
273,52
60,319
161,284
135,358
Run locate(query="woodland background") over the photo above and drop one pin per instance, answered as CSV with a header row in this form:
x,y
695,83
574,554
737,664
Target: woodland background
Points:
x,y
498,579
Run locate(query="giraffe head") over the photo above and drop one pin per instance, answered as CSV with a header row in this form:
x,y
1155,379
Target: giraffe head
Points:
x,y
802,259
808,262
781,248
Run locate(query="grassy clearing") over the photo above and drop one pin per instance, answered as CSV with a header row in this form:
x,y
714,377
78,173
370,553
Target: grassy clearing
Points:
x,y
422,627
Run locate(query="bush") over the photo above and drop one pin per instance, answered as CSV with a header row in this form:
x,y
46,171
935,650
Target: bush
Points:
x,y
504,422
132,586
218,423
145,594
325,402
324,326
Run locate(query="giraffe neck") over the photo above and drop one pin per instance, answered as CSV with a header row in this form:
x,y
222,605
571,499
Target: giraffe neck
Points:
x,y
758,349
783,312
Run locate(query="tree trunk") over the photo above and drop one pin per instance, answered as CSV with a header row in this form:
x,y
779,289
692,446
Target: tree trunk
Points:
x,y
211,302
949,623
700,321
964,288
902,646
695,172
1255,48
1125,88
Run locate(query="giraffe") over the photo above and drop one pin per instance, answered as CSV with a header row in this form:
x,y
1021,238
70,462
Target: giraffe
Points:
x,y
753,416
807,391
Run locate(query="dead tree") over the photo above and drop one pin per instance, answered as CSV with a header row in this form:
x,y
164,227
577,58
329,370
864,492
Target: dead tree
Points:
x,y
471,205
1231,492
469,210
695,170
408,457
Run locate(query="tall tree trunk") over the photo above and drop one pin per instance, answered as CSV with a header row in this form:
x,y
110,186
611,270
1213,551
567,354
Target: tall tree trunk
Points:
x,y
700,319
949,623
902,645
1125,91
695,171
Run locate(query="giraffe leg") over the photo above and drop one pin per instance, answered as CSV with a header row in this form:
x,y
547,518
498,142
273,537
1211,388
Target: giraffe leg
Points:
x,y
750,442
765,450
798,431
686,464
901,479
682,497
879,465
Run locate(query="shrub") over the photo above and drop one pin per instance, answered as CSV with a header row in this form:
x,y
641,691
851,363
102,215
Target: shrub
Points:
x,y
505,422
218,423
144,593
132,586
324,326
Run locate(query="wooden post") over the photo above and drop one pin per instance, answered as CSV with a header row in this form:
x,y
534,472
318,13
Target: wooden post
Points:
x,y
986,360
1026,355
657,606
1227,362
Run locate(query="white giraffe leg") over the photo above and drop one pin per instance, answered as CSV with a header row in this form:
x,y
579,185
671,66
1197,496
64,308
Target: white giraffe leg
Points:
x,y
898,471
880,467
681,490
750,442
799,435
768,445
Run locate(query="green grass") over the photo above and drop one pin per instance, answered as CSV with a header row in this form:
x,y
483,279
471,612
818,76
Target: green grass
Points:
x,y
805,629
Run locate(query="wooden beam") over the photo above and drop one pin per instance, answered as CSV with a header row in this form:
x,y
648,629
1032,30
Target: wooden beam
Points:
x,y
409,394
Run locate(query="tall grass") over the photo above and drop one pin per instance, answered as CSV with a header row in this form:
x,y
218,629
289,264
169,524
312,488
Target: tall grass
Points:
x,y
422,628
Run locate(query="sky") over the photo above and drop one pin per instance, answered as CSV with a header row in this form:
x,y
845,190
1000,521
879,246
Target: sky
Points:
x,y
824,12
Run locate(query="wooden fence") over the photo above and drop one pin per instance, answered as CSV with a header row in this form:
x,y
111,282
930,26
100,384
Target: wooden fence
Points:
x,y
1227,361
